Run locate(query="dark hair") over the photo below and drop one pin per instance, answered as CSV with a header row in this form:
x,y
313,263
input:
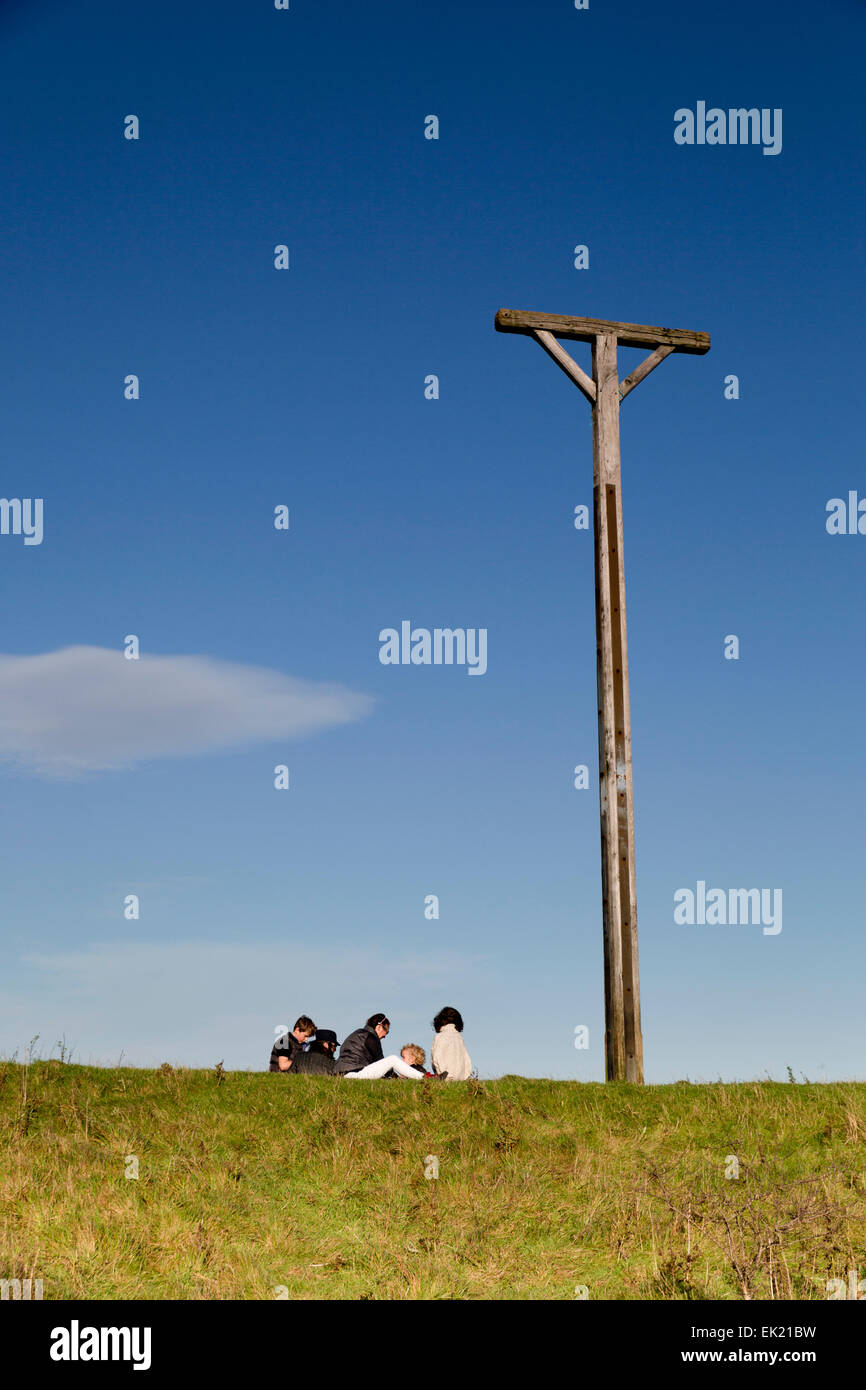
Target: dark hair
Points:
x,y
305,1024
375,1019
448,1015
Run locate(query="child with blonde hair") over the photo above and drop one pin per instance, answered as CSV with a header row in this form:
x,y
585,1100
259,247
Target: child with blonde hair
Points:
x,y
416,1057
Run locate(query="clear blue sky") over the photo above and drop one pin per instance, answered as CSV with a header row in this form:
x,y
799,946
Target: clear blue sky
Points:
x,y
306,387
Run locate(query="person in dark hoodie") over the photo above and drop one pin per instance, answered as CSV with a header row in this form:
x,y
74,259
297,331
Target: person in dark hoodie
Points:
x,y
361,1054
318,1060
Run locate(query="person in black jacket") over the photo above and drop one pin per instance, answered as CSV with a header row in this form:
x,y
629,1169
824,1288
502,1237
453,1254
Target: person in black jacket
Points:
x,y
319,1059
289,1046
361,1053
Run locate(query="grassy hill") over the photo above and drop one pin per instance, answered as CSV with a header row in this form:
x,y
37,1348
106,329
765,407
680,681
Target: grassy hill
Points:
x,y
257,1186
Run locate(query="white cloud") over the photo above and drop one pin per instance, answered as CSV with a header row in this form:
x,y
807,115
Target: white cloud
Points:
x,y
85,709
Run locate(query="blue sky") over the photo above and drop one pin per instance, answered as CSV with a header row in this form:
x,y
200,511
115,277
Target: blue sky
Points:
x,y
306,388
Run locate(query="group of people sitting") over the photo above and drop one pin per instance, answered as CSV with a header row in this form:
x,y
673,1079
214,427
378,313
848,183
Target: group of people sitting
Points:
x,y
310,1051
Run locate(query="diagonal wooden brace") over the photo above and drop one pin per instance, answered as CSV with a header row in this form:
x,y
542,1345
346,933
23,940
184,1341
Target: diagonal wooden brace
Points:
x,y
564,360
643,370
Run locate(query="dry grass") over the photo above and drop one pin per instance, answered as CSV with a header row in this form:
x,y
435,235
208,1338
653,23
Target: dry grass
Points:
x,y
253,1183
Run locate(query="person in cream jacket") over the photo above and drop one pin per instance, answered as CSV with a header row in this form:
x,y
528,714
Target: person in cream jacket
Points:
x,y
449,1049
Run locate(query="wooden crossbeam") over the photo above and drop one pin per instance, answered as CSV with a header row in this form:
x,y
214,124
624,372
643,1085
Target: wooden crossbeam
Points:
x,y
587,330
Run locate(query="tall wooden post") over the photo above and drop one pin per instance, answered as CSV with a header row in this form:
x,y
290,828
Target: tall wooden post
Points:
x,y
604,391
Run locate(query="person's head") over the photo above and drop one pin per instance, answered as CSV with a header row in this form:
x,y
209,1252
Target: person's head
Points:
x,y
326,1039
413,1054
304,1028
380,1024
448,1015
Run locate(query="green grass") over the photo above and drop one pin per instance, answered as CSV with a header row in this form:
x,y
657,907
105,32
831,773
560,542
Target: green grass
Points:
x,y
249,1183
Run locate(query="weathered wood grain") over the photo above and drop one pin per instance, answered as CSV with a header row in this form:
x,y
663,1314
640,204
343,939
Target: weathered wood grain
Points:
x,y
587,330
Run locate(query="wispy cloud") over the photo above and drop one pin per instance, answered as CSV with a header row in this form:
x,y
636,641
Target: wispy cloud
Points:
x,y
88,709
194,1002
